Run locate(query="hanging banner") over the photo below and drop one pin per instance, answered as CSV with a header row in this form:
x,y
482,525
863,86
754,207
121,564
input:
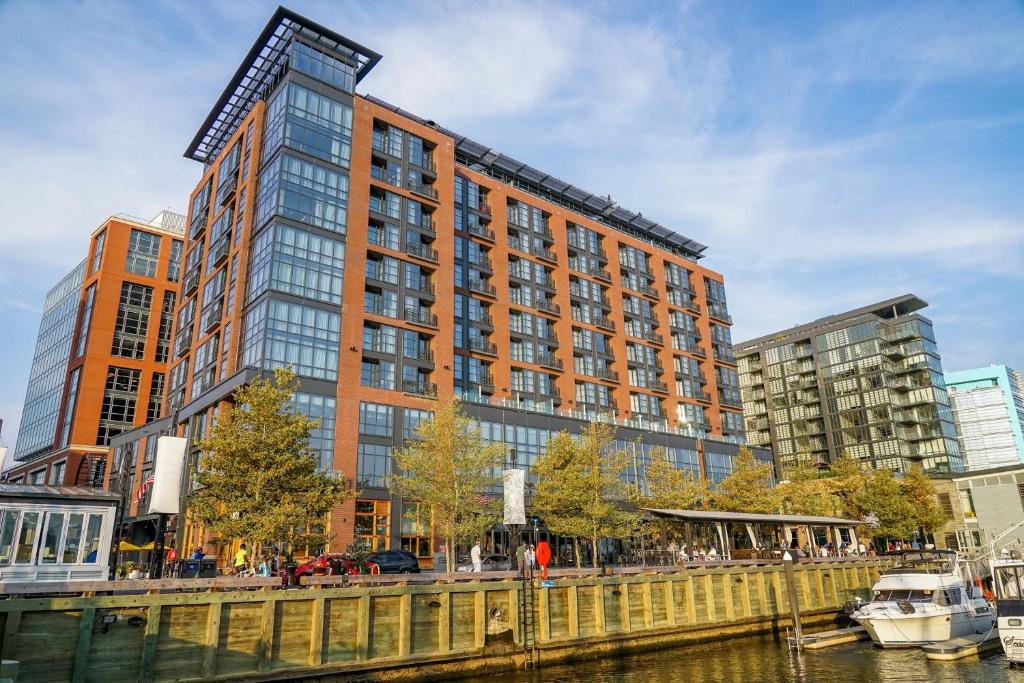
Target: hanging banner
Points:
x,y
170,462
515,496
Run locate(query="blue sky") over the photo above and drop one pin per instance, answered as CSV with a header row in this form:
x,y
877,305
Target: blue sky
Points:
x,y
830,154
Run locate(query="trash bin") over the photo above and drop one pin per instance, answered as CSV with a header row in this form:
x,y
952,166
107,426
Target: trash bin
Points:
x,y
190,569
290,572
440,562
208,568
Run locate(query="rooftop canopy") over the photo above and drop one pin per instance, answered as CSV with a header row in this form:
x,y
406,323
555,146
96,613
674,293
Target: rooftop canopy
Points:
x,y
78,493
714,516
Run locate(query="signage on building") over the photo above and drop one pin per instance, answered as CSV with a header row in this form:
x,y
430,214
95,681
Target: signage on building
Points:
x,y
170,463
515,496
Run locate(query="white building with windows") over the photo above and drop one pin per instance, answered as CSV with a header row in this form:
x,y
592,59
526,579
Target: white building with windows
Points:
x,y
988,405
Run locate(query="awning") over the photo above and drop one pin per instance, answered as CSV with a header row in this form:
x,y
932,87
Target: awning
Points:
x,y
714,516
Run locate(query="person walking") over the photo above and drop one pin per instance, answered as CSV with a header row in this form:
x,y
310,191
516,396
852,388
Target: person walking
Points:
x,y
241,558
474,555
531,558
521,558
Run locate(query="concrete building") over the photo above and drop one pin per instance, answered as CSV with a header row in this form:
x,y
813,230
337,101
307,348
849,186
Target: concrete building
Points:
x,y
981,505
100,363
866,383
392,263
988,404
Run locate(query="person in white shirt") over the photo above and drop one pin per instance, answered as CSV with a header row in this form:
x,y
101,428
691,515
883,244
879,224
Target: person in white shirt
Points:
x,y
531,557
862,549
474,555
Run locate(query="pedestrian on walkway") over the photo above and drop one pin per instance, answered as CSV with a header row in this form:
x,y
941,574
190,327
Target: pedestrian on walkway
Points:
x,y
474,555
521,558
531,558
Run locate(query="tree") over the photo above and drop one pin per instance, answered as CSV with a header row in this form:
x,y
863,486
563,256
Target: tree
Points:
x,y
919,492
747,489
258,480
807,491
450,468
669,487
881,500
581,488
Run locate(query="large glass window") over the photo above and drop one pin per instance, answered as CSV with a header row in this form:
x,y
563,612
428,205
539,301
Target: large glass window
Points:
x,y
117,413
97,252
375,419
373,466
132,321
27,538
330,70
51,538
143,253
303,191
278,333
92,539
321,438
163,337
7,529
73,539
174,266
297,262
83,334
309,122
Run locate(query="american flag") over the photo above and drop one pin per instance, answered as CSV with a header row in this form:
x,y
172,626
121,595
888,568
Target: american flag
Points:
x,y
142,489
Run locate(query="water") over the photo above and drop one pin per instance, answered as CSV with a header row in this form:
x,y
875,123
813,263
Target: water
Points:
x,y
764,659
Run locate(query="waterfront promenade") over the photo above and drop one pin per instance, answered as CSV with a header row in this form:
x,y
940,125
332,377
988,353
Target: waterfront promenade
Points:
x,y
387,628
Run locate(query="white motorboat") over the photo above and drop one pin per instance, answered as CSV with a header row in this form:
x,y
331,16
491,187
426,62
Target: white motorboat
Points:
x,y
924,599
1008,581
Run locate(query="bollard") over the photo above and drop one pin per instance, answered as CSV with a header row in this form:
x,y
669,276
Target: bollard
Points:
x,y
794,605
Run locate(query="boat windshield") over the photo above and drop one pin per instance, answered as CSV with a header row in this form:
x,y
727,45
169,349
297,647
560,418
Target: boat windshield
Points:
x,y
893,596
1009,582
924,562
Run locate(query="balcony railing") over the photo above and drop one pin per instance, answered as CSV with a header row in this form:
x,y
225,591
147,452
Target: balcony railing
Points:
x,y
486,382
545,254
382,174
481,231
548,306
654,338
191,283
418,387
605,322
420,317
483,346
482,287
428,191
483,263
547,360
660,387
421,251
607,374
425,162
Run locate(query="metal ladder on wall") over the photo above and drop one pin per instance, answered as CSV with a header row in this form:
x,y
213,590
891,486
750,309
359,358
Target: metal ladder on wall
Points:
x,y
527,621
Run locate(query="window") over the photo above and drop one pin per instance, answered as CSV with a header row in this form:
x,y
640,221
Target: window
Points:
x,y
37,476
57,473
92,539
294,261
7,529
375,419
174,265
51,538
156,396
309,122
303,191
316,64
97,252
132,321
72,539
373,465
163,337
26,538
143,253
69,407
321,438
377,374
117,413
373,523
411,423
83,334
279,333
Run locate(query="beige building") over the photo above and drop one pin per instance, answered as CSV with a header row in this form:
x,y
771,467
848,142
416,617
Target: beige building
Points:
x,y
982,505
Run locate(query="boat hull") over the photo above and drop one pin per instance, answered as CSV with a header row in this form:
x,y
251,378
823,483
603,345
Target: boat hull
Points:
x,y
1012,639
914,630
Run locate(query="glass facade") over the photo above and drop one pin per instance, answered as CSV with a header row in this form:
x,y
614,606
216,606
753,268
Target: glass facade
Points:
x,y
279,333
38,429
143,253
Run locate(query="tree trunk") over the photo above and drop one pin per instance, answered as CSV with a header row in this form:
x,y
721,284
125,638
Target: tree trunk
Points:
x,y
576,552
593,545
449,556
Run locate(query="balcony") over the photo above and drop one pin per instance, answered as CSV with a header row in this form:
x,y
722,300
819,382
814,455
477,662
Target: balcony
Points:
x,y
481,232
546,255
427,225
381,173
483,263
183,341
482,346
211,315
419,388
199,221
607,374
654,338
220,249
702,396
691,306
725,355
730,402
547,282
548,306
660,387
421,251
599,273
419,316
484,321
424,287
486,382
604,322
481,287
191,283
226,191
646,289
428,191
548,360
426,162
548,335
545,233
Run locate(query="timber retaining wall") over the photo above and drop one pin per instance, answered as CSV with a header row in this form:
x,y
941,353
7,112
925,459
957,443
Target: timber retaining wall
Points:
x,y
416,630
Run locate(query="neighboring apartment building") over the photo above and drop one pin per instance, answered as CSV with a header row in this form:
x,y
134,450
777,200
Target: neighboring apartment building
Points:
x,y
867,383
100,362
393,263
981,506
988,404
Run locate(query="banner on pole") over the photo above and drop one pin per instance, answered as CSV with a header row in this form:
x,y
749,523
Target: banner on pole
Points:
x,y
170,463
515,496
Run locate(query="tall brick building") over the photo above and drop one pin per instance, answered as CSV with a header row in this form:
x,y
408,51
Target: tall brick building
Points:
x,y
393,263
100,364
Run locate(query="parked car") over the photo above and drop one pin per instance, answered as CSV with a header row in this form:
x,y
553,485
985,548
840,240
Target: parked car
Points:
x,y
331,564
488,563
395,562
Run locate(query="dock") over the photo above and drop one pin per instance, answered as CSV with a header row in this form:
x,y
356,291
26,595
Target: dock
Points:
x,y
961,648
839,636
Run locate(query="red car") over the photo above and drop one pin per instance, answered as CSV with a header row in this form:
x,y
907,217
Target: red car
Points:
x,y
331,564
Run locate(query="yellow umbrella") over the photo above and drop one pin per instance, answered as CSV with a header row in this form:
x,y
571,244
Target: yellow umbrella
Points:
x,y
148,546
125,546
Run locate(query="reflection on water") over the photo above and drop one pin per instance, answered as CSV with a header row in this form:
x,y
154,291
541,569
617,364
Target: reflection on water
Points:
x,y
767,660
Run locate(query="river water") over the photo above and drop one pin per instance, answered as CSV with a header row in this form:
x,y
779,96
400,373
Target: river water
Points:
x,y
764,659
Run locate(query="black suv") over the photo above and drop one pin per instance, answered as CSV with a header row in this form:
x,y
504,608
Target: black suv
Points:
x,y
395,562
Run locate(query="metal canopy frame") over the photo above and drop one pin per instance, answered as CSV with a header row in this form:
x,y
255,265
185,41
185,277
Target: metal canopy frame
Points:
x,y
604,209
260,67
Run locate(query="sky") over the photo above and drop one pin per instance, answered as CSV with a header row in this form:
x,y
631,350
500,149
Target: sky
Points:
x,y
829,154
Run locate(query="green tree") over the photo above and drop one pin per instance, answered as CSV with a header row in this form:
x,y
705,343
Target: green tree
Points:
x,y
881,503
919,492
258,480
807,491
449,467
747,489
581,488
669,487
